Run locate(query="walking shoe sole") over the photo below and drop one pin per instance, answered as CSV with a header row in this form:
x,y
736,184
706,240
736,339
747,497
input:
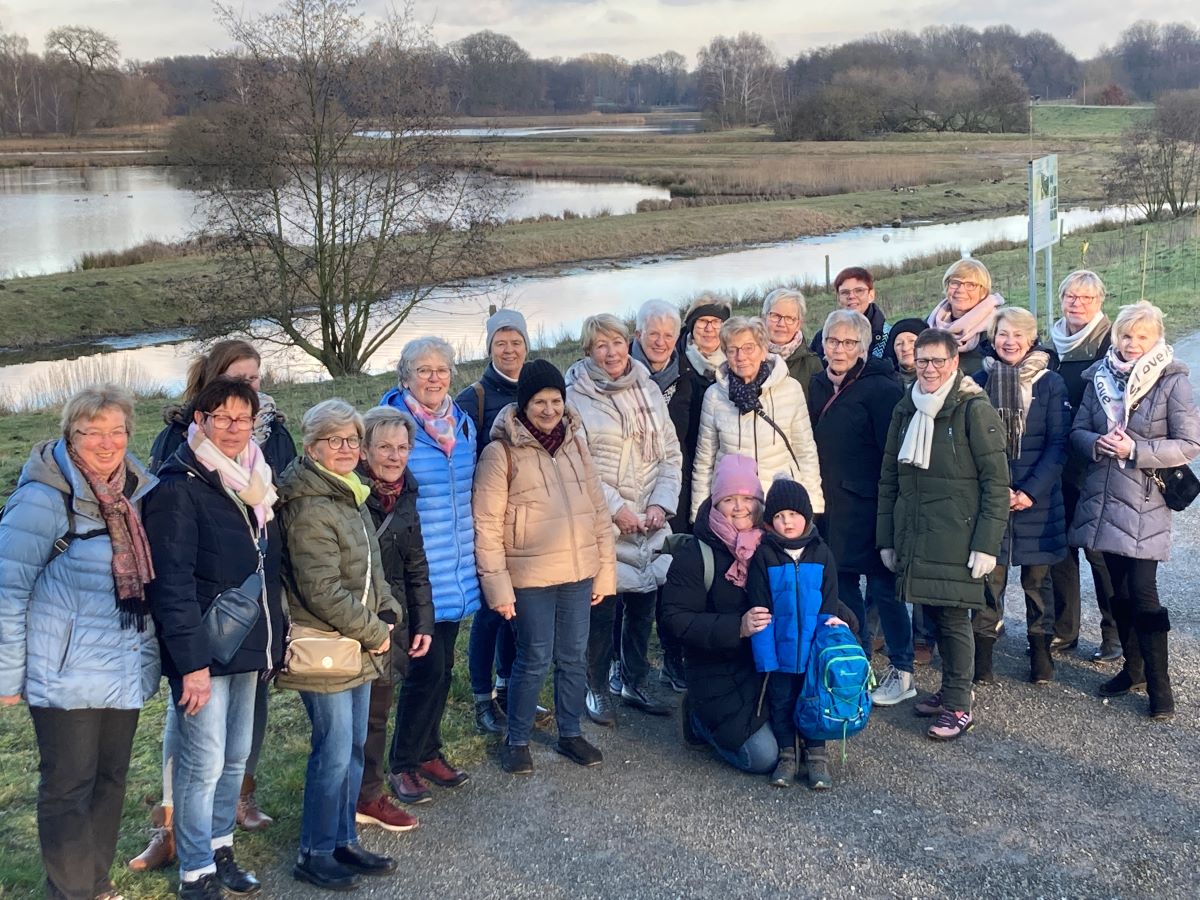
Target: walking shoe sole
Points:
x,y
300,875
907,695
648,710
363,819
585,763
945,738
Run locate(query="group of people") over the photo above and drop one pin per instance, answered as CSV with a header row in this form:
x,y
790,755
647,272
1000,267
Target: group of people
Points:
x,y
719,478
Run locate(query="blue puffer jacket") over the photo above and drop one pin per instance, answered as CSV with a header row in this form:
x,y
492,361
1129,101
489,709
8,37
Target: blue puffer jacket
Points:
x,y
61,640
444,508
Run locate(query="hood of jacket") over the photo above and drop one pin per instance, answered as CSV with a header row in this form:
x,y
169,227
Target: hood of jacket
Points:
x,y
50,464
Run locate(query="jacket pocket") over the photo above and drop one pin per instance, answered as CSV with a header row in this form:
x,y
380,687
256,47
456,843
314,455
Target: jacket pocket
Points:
x,y
520,520
66,646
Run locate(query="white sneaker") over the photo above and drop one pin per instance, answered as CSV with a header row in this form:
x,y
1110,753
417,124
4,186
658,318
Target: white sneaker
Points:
x,y
894,687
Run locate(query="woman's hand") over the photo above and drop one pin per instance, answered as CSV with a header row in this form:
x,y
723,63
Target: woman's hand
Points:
x,y
755,619
626,521
197,689
420,645
387,642
597,599
656,517
1019,500
10,701
508,611
1116,444
834,620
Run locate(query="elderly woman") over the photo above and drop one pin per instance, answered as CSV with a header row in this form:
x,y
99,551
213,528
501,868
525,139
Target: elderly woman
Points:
x,y
1032,402
900,349
755,409
442,460
700,355
943,508
783,311
855,289
387,441
713,617
211,526
76,640
335,583
545,553
967,312
850,404
492,646
1081,338
1138,415
628,430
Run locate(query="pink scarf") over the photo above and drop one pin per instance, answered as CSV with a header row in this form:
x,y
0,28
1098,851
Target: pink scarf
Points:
x,y
439,424
971,325
741,544
248,477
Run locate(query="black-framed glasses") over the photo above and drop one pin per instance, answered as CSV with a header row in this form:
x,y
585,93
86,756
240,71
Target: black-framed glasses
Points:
x,y
226,423
337,442
938,362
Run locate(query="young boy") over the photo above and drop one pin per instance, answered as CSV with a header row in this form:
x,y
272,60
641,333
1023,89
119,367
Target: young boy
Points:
x,y
793,574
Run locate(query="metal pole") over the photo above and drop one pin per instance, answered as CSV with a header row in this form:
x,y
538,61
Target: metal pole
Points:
x,y
1049,287
1029,247
828,283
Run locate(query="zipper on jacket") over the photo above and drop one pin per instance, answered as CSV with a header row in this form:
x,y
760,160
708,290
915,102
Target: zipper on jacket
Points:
x,y
562,487
799,616
262,596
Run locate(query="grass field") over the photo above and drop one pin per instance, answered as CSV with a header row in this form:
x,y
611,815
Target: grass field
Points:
x,y
1087,121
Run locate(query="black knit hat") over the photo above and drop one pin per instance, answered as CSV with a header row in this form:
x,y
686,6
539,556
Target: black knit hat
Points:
x,y
536,375
787,494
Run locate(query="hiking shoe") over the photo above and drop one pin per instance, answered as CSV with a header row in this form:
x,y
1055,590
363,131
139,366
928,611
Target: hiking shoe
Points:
x,y
819,778
1108,651
1062,645
1121,683
234,878
516,760
441,773
542,717
360,860
635,696
383,812
932,705
409,787
206,887
614,677
579,751
895,687
951,724
600,708
324,872
672,676
488,717
785,769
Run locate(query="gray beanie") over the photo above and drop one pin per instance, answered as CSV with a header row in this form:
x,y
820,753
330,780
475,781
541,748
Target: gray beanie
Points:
x,y
506,318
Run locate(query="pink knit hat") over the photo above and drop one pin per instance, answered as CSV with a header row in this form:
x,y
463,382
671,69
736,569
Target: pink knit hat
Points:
x,y
736,475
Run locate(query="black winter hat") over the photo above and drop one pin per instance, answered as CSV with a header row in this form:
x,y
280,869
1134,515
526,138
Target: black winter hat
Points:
x,y
537,375
788,494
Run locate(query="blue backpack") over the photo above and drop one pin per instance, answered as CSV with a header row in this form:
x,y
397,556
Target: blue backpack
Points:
x,y
836,699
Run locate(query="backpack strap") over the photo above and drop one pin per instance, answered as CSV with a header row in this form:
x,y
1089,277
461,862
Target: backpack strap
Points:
x,y
779,431
478,388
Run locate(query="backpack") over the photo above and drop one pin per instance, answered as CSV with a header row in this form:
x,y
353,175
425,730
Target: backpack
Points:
x,y
676,542
836,698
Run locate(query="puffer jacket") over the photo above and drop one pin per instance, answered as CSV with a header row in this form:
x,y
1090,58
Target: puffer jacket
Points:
x,y
723,430
802,365
61,641
278,450
628,478
329,541
540,520
444,506
1121,510
933,518
498,392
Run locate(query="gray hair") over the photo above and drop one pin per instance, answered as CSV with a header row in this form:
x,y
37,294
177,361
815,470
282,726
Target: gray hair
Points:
x,y
851,318
416,350
786,294
972,268
91,401
329,416
594,326
379,417
1084,278
1141,313
1017,316
658,310
735,325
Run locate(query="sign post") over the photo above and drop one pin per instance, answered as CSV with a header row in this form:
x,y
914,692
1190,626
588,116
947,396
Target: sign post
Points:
x,y
1044,227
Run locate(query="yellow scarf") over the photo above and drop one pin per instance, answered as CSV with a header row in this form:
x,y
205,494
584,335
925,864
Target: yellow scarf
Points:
x,y
360,491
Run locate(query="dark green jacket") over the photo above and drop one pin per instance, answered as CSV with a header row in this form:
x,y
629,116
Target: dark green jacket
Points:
x,y
803,364
933,518
325,546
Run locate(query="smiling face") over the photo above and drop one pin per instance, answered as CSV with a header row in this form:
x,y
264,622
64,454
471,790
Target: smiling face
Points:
x,y
247,369
739,510
508,352
905,346
657,341
1080,303
101,442
334,450
387,454
854,294
229,426
430,380
843,348
545,409
1012,343
706,333
964,292
610,352
1136,340
745,354
935,366
783,321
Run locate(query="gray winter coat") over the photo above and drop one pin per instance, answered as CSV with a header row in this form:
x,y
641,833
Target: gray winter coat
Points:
x,y
1120,509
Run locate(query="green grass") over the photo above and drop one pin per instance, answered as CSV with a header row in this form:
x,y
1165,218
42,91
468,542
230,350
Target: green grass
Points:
x,y
1087,121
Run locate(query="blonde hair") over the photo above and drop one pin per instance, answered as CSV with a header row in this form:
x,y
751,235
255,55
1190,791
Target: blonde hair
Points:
x,y
735,325
328,416
90,402
1142,312
1085,278
971,267
594,326
1020,317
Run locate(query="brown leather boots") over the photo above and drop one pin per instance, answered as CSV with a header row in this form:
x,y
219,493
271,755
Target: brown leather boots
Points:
x,y
161,851
249,816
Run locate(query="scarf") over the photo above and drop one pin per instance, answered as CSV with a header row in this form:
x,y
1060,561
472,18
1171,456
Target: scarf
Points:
x,y
785,351
551,441
355,484
745,394
970,326
439,424
1083,344
665,377
248,478
132,568
1010,388
919,438
1121,385
265,418
810,532
704,363
386,491
741,544
628,394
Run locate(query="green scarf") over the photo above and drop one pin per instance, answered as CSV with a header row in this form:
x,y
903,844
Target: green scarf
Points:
x,y
360,491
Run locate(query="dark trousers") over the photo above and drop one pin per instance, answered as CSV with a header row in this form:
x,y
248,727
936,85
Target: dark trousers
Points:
x,y
492,647
260,726
956,644
672,650
422,702
783,690
378,710
635,613
892,615
986,622
1039,600
84,761
1065,577
1135,592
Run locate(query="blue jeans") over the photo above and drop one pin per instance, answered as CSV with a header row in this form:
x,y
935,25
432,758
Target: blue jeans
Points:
x,y
210,760
893,615
492,645
757,756
335,768
551,625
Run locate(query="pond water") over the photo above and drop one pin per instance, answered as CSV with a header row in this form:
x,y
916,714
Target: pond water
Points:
x,y
673,126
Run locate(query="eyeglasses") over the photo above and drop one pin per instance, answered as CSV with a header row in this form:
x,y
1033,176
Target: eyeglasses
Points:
x,y
390,449
744,350
1079,298
847,344
954,284
425,373
938,362
116,436
708,322
337,442
854,292
783,320
223,422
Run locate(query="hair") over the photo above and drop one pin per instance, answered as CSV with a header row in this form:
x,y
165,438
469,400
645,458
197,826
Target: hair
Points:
x,y
786,294
90,402
1017,316
1140,313
856,272
658,310
214,394
854,319
415,351
1084,278
971,267
937,337
330,415
737,324
594,326
379,417
209,366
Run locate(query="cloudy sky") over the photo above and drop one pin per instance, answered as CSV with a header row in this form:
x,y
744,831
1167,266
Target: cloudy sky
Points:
x,y
631,28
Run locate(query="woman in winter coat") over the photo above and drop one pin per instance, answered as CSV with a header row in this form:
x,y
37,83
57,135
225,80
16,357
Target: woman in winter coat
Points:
x,y
631,438
700,355
545,553
755,409
855,288
967,312
943,508
76,640
850,405
335,581
211,526
442,460
387,441
1032,402
1137,415
783,312
901,346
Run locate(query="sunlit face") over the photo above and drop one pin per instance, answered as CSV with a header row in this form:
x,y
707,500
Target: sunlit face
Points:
x,y
430,380
964,291
905,346
706,333
935,366
783,321
854,294
387,454
229,426
247,369
745,354
508,352
610,352
1079,305
843,348
1134,342
739,510
545,409
1012,343
337,451
101,442
789,524
657,340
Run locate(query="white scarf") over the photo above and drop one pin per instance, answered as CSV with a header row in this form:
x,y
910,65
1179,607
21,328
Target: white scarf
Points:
x,y
1120,385
918,440
1068,345
704,363
248,477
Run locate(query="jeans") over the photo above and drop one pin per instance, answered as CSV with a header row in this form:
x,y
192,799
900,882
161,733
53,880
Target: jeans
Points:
x,y
84,758
379,709
1065,576
551,625
422,702
758,755
335,768
492,645
956,644
209,764
893,614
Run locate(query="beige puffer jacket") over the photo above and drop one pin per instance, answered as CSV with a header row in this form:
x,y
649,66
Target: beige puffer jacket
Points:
x,y
540,520
629,478
723,430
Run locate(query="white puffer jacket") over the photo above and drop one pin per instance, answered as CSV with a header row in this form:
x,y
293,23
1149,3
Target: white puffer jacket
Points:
x,y
724,430
628,478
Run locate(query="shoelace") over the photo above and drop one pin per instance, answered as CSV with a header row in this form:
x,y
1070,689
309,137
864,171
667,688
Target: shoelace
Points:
x,y
890,675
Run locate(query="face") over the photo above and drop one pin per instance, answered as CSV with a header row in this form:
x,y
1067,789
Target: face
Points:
x,y
1134,342
545,409
658,342
789,524
854,294
1012,343
964,292
247,369
843,348
706,333
337,451
101,442
745,355
1079,305
905,346
739,511
430,380
611,353
508,352
929,376
387,454
228,426
783,321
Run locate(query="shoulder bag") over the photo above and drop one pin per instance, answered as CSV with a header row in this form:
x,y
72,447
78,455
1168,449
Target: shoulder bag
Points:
x,y
1178,484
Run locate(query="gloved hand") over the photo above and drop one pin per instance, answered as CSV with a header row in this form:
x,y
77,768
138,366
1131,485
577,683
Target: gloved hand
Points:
x,y
888,555
980,564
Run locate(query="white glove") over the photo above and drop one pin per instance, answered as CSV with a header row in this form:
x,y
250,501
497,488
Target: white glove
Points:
x,y
980,564
888,555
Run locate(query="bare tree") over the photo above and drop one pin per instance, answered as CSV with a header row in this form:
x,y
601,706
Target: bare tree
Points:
x,y
736,74
16,80
1157,167
88,52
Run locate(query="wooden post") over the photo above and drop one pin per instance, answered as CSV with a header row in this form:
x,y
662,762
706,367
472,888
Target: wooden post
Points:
x,y
828,282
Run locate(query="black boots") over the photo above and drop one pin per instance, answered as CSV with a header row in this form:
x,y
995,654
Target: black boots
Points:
x,y
983,660
1041,665
1151,629
489,718
1132,676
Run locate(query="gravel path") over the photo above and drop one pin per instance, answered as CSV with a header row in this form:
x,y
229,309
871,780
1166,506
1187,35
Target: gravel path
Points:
x,y
1055,794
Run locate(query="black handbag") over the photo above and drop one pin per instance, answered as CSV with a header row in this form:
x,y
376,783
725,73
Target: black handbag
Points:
x,y
1179,486
233,613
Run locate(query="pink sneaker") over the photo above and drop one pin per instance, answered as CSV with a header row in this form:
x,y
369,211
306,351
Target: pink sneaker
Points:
x,y
951,724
